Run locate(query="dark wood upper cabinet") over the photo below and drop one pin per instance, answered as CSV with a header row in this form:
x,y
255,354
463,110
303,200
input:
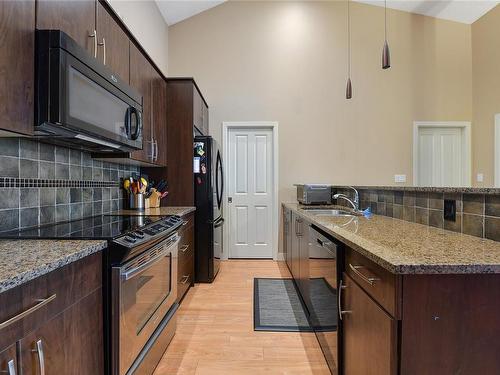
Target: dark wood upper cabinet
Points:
x,y
369,334
75,18
113,44
17,43
200,113
141,73
159,119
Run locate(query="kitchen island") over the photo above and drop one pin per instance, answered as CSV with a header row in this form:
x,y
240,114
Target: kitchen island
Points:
x,y
413,299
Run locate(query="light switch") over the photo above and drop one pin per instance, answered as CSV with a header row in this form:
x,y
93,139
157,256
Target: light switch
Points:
x,y
399,178
480,177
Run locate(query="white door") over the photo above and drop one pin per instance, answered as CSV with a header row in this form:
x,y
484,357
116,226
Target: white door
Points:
x,y
441,156
250,177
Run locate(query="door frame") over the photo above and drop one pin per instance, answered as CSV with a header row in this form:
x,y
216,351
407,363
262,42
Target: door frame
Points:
x,y
466,128
273,126
496,152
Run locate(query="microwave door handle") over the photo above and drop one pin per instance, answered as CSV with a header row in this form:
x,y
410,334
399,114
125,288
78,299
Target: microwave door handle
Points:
x,y
128,120
138,129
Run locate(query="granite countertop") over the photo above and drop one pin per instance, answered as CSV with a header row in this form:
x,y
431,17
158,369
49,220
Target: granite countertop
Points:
x,y
427,189
403,247
25,260
160,211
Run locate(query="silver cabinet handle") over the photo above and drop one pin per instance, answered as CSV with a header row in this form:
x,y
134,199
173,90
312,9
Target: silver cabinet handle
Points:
x,y
11,368
103,44
184,248
184,223
369,280
156,149
94,35
41,357
339,304
184,279
39,305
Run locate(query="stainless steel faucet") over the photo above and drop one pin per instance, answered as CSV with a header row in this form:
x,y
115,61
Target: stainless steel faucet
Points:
x,y
354,203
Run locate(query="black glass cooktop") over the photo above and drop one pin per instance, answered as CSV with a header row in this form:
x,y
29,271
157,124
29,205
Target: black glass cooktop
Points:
x,y
97,227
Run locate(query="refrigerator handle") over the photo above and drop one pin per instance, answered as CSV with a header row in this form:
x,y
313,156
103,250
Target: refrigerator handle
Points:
x,y
220,193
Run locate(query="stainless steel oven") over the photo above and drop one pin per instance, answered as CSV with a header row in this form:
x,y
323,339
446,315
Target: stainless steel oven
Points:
x,y
143,290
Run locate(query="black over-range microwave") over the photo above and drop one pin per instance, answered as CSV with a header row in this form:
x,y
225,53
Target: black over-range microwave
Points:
x,y
79,102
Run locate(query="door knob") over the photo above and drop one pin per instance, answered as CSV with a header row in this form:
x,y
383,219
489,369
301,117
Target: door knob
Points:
x,y
229,199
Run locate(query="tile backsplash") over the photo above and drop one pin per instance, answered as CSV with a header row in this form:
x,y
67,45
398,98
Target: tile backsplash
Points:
x,y
43,184
477,214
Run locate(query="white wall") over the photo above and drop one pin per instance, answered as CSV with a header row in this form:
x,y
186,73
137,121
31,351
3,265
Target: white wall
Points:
x,y
145,22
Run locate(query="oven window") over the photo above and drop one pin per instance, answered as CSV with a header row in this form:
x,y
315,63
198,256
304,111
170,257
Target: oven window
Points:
x,y
92,104
143,293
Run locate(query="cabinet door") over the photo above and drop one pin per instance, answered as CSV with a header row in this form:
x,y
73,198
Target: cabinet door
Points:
x,y
295,246
198,110
113,44
369,334
205,119
287,251
8,361
140,79
159,119
304,261
75,18
70,343
17,21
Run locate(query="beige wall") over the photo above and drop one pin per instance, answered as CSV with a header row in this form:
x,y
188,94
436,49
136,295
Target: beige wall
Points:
x,y
145,22
486,92
286,62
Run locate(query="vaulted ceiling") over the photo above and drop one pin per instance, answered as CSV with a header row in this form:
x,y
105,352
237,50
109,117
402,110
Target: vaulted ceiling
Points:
x,y
465,11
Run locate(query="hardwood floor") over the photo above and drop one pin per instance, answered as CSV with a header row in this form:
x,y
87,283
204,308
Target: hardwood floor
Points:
x,y
215,330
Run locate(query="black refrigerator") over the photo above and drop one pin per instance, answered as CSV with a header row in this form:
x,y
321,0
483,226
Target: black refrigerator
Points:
x,y
209,218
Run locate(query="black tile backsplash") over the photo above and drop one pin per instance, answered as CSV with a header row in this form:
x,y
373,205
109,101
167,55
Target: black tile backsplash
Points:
x,y
43,184
477,214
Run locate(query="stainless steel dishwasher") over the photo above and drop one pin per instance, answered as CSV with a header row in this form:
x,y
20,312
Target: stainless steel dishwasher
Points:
x,y
324,266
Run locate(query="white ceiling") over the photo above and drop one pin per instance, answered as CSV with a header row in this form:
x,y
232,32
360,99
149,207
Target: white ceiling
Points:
x,y
465,11
174,11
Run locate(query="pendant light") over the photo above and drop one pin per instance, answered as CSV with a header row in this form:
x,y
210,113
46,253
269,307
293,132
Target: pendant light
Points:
x,y
348,90
386,54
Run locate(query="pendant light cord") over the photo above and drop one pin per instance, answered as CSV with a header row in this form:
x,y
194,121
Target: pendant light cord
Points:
x,y
385,19
348,39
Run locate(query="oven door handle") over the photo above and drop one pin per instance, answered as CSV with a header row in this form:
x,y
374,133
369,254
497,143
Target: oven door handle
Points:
x,y
129,274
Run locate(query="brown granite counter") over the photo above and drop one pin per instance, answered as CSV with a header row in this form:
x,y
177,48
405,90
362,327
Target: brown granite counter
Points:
x,y
180,211
408,248
25,260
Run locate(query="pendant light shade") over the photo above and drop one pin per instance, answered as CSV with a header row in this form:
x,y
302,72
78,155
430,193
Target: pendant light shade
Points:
x,y
348,90
386,54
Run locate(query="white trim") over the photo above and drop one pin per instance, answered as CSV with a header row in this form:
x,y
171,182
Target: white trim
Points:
x,y
273,125
497,150
466,125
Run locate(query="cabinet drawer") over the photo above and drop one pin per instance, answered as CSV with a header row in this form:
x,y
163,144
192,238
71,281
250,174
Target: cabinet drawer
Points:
x,y
46,296
186,243
379,283
185,277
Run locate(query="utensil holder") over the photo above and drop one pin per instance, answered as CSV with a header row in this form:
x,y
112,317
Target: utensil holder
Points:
x,y
137,202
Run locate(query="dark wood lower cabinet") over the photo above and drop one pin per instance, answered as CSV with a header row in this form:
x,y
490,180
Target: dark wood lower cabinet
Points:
x,y
8,361
186,257
369,334
70,343
64,335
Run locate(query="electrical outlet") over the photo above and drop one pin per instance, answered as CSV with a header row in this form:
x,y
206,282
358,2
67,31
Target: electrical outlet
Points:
x,y
450,210
480,177
399,178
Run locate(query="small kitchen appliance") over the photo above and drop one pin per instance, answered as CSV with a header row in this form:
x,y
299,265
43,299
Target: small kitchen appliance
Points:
x,y
314,193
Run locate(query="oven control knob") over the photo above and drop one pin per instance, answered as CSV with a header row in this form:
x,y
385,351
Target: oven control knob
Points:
x,y
138,234
129,239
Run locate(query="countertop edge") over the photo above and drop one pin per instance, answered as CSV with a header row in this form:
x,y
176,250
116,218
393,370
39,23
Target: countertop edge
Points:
x,y
401,269
43,269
